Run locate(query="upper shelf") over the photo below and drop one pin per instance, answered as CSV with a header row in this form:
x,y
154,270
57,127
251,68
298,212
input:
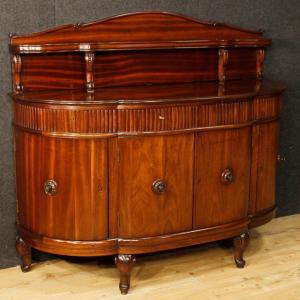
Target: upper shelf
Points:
x,y
168,48
138,31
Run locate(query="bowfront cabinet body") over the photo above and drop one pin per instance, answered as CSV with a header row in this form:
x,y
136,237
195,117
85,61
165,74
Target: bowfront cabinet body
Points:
x,y
142,133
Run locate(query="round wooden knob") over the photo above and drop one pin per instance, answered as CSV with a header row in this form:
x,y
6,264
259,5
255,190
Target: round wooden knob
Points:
x,y
159,186
227,176
50,187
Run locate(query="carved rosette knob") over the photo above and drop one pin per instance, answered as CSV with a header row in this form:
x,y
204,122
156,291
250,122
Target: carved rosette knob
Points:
x,y
50,187
227,176
159,186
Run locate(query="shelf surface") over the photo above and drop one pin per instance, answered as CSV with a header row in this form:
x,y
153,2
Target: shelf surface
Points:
x,y
166,93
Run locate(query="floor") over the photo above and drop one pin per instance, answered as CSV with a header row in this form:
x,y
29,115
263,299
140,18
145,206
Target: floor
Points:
x,y
202,272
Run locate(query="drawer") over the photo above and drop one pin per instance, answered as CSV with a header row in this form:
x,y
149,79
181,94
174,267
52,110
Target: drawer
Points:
x,y
66,119
126,120
180,117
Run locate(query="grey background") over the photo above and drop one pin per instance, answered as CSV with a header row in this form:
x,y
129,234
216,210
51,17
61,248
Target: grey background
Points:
x,y
280,19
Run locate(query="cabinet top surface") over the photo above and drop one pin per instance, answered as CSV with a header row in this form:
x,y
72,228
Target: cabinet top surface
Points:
x,y
164,93
144,30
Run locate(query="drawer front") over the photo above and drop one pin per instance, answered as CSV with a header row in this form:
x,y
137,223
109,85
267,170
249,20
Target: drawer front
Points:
x,y
132,119
155,185
66,119
102,120
222,170
180,117
62,186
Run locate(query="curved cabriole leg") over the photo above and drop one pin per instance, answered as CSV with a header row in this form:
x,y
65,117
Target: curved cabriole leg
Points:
x,y
124,263
240,243
24,250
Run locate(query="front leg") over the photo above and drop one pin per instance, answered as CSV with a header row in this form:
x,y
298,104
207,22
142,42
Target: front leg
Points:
x,y
240,243
24,250
124,263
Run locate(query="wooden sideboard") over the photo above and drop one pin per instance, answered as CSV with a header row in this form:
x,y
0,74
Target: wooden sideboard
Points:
x,y
141,133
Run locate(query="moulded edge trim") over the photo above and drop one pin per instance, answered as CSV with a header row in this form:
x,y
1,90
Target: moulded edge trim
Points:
x,y
262,218
134,245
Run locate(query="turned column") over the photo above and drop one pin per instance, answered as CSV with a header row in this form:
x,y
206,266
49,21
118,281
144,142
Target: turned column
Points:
x,y
240,243
124,263
24,250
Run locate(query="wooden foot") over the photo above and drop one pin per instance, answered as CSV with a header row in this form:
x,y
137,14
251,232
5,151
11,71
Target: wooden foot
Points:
x,y
24,250
124,263
240,243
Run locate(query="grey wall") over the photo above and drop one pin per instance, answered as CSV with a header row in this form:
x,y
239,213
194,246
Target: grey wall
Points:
x,y
280,19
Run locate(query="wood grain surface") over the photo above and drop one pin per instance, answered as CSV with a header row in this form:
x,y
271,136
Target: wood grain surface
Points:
x,y
152,67
134,49
202,92
143,119
264,163
55,71
218,202
138,30
142,211
78,210
126,68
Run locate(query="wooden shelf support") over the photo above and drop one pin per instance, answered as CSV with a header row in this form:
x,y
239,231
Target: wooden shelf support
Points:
x,y
223,60
260,57
16,70
89,63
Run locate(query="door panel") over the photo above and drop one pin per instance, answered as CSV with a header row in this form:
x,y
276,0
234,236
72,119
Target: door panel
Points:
x,y
143,160
217,200
78,210
264,163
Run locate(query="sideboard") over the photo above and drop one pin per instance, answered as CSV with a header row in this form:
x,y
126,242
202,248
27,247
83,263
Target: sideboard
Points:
x,y
141,133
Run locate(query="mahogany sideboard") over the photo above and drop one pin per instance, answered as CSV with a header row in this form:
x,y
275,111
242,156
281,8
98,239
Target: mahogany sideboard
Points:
x,y
141,133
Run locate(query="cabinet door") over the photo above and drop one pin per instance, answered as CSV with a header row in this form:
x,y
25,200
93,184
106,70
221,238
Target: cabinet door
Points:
x,y
264,162
155,185
222,168
78,209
